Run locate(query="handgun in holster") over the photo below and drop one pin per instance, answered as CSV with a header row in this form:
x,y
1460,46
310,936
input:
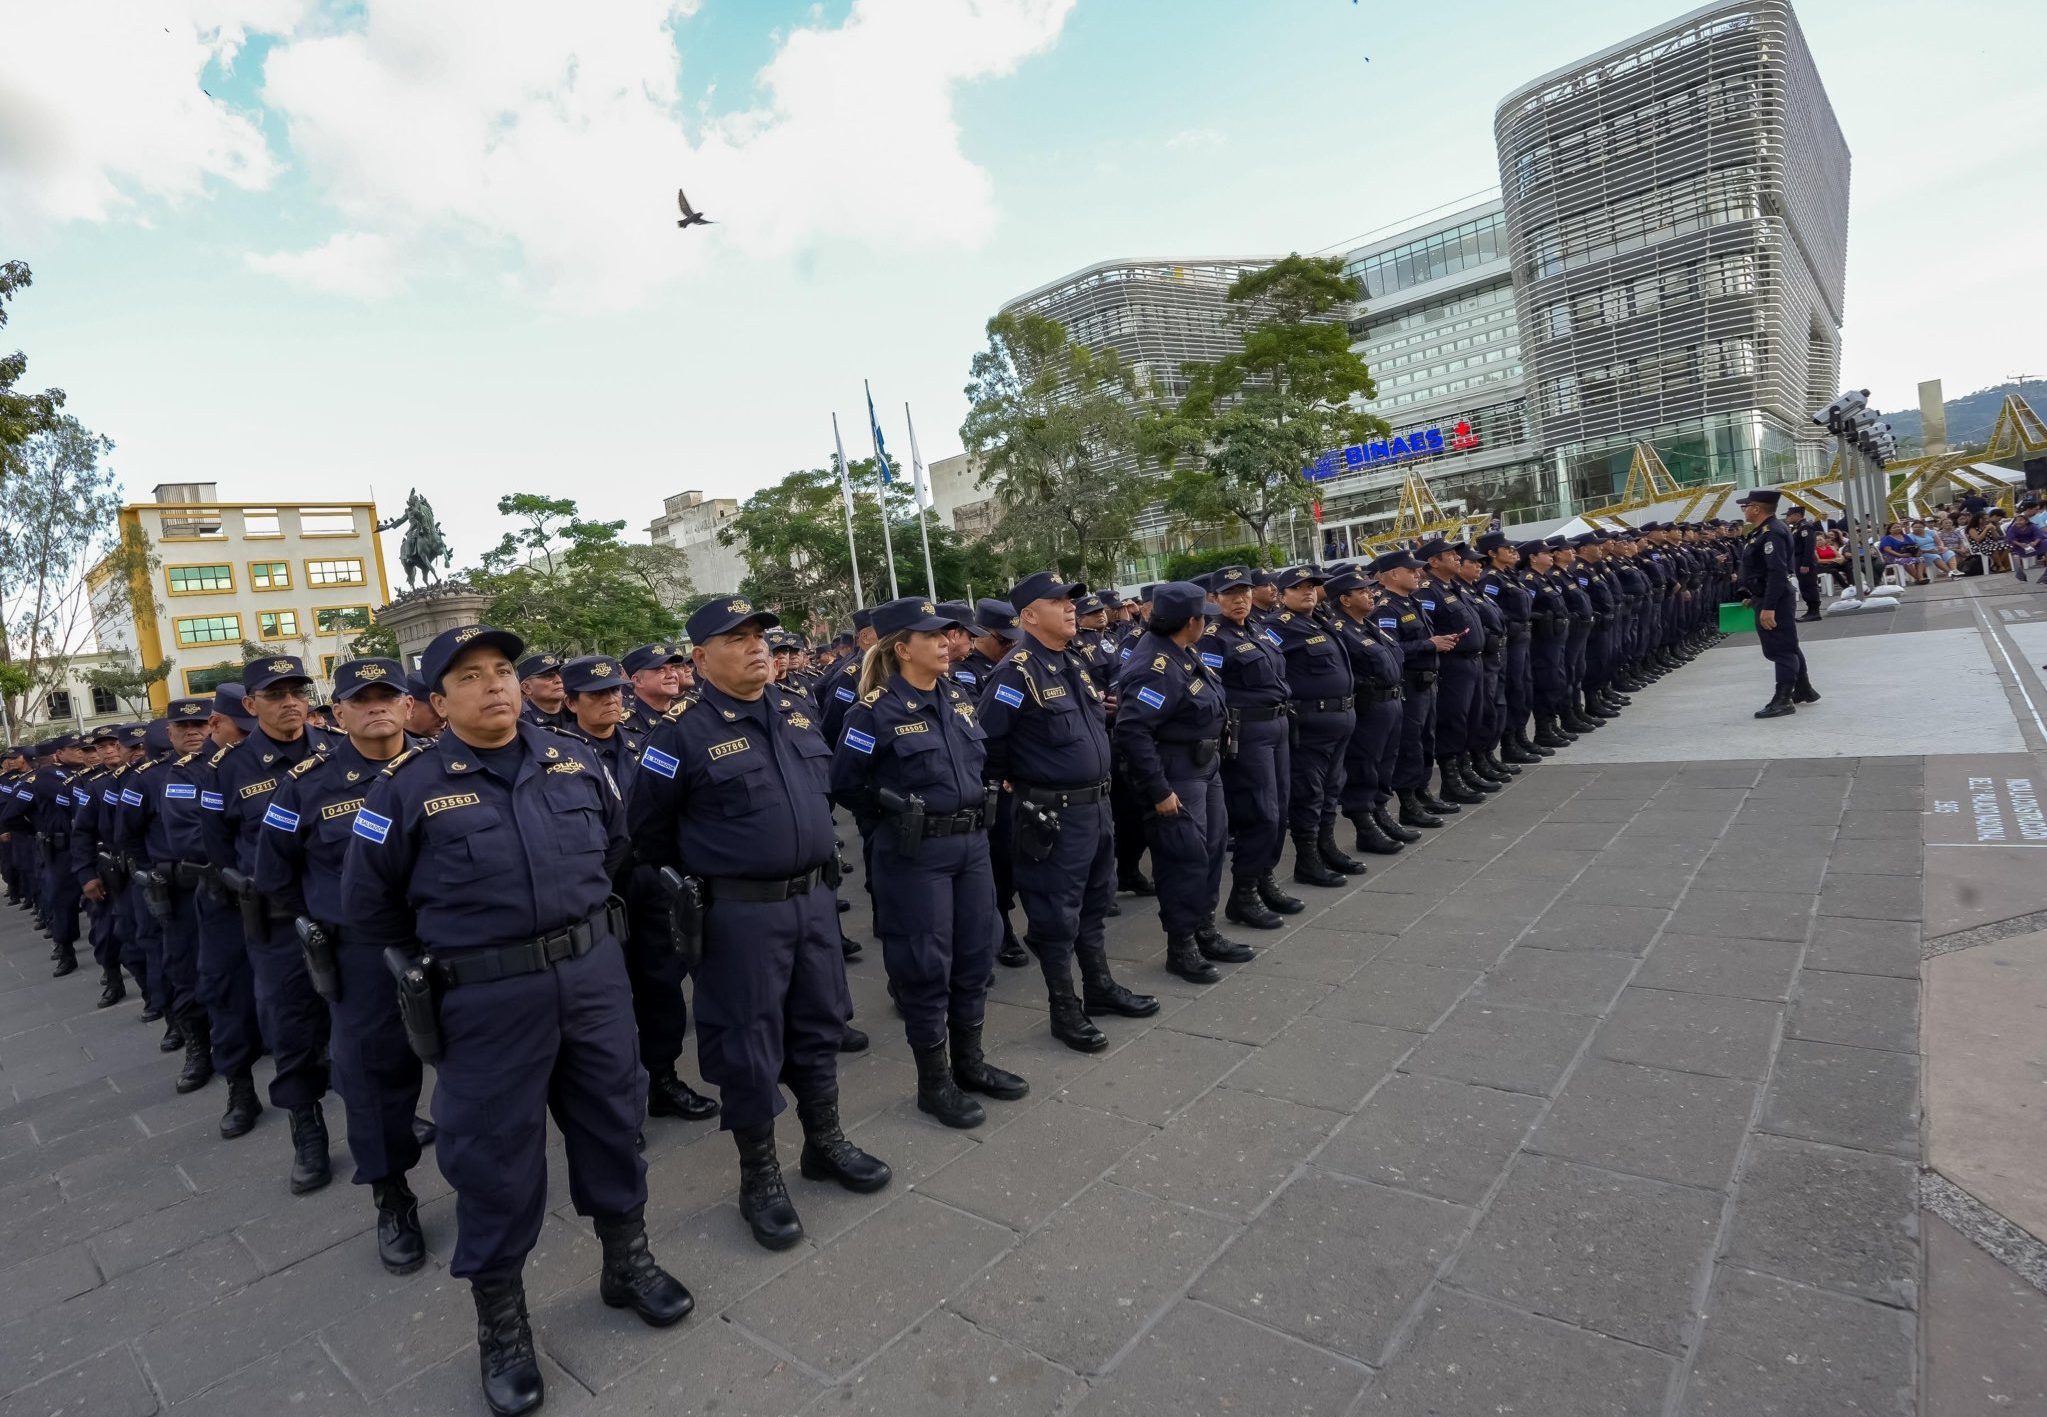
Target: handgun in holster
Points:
x,y
113,877
1232,735
906,815
316,941
419,1003
156,892
255,911
1036,829
685,916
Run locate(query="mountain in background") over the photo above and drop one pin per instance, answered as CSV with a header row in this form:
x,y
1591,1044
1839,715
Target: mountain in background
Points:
x,y
1969,418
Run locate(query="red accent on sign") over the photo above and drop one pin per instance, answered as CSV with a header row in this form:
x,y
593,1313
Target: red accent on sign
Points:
x,y
1318,511
1462,437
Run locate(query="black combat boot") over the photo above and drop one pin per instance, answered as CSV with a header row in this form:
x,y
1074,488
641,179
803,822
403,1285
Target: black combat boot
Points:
x,y
173,1038
1183,957
242,1107
311,1167
198,1070
1070,1023
1503,767
1455,790
1101,994
852,1040
630,1278
1276,900
975,1073
504,1345
763,1196
1012,952
669,1096
1779,705
1547,739
1477,776
1245,908
1334,856
1412,813
939,1093
67,961
1372,839
1803,692
1399,831
1214,945
1135,882
112,990
1589,709
828,1156
401,1244
1309,867
1433,803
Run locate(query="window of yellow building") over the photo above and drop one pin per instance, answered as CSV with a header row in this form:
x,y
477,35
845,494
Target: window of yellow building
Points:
x,y
270,575
339,571
209,629
199,580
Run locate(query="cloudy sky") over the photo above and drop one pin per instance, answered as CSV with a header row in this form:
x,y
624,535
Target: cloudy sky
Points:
x,y
308,248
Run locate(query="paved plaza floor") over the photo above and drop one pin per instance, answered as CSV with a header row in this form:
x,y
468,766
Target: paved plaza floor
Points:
x,y
1616,1097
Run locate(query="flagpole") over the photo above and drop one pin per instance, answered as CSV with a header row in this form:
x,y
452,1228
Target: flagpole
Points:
x,y
846,497
917,485
881,490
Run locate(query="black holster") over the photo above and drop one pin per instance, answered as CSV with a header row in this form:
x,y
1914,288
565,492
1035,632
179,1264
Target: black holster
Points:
x,y
156,893
255,911
685,895
316,941
419,1003
906,815
1036,829
1233,735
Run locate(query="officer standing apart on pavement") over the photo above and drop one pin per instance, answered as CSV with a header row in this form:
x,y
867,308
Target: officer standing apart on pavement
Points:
x,y
488,858
732,794
1805,541
1319,682
1048,742
299,859
1257,759
910,755
1766,581
1169,729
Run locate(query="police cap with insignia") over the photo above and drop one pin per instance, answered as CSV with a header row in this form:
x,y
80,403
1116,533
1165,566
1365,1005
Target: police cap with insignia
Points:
x,y
451,645
1558,543
661,652
995,617
136,734
1464,553
1586,538
1174,603
191,710
1397,560
231,701
1492,541
1759,497
356,675
911,613
260,674
1347,583
1110,600
962,612
721,617
592,674
105,733
1225,579
1432,548
1287,577
1089,604
534,665
1533,548
1045,585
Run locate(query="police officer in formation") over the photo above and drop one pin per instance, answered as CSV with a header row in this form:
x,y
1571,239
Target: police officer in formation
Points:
x,y
994,624
1379,680
1257,764
540,685
1320,701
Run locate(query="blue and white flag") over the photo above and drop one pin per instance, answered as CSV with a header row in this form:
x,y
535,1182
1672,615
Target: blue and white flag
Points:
x,y
880,448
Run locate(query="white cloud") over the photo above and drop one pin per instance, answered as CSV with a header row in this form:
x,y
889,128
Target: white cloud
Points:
x,y
102,106
357,263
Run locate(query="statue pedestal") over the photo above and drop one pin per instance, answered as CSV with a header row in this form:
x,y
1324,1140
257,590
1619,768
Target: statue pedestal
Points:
x,y
417,616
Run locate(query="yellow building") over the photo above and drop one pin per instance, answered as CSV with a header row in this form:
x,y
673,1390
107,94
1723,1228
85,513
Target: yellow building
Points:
x,y
304,578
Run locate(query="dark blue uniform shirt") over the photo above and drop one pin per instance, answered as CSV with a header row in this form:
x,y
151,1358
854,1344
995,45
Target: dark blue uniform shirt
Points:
x,y
1044,719
913,742
1252,668
307,829
1407,620
1317,667
1166,694
245,776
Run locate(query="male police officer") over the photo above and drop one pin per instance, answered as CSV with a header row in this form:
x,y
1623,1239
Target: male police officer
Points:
x,y
1400,614
1048,739
495,849
1767,567
1257,760
1805,540
655,684
732,791
995,624
540,685
1319,682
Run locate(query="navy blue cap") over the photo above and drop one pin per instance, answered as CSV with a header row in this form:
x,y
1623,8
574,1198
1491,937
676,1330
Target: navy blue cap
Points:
x,y
1492,541
231,701
911,613
1346,582
995,616
1465,553
1089,604
450,645
356,675
1287,577
1110,599
1396,560
1045,585
1260,576
1587,538
1176,602
135,734
260,674
722,616
1144,592
1759,496
959,610
195,710
1533,548
593,674
1435,546
1228,578
662,652
416,686
157,739
535,664
1558,543
863,618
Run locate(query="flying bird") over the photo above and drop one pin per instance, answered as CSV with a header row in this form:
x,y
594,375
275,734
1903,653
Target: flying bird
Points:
x,y
690,215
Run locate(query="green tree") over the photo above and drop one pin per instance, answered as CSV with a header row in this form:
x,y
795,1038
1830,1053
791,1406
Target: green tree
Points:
x,y
23,415
571,586
1050,420
1251,421
376,642
127,678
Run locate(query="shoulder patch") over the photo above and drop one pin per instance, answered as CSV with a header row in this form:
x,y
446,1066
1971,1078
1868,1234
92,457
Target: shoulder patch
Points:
x,y
214,761
307,766
656,761
678,709
1158,663
1009,694
871,696
391,768
1022,656
1152,697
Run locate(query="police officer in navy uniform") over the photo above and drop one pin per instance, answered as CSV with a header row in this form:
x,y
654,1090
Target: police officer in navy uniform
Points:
x,y
910,754
1374,748
294,1018
593,690
159,828
540,686
1550,624
656,684
1257,757
1805,540
733,791
1768,565
300,855
1503,584
1048,740
105,922
1169,728
1489,711
995,632
1320,689
841,688
1459,671
495,849
1401,615
422,723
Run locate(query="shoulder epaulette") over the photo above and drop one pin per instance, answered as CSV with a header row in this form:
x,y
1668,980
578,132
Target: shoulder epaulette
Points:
x,y
871,696
1022,656
311,762
144,766
677,709
214,761
391,768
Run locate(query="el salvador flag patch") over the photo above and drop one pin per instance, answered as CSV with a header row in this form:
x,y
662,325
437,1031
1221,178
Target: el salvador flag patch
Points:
x,y
176,791
1492,590
842,692
1126,653
280,819
1009,694
1152,697
1272,635
1213,661
965,676
859,742
371,827
213,801
110,797
654,760
131,797
1389,623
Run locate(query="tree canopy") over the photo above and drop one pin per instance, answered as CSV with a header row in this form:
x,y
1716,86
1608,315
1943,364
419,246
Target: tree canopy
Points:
x,y
571,586
23,414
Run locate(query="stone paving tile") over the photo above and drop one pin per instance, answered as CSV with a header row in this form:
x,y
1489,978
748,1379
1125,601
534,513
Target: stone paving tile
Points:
x,y
1393,995
1861,1010
1060,1293
1616,1254
1541,859
1156,1076
1336,1261
1323,1062
1709,964
945,1367
109,1385
1870,856
1745,914
1885,897
1202,1362
1520,1050
1775,1349
1870,822
1612,929
450,1386
1410,874
1467,1356
1227,1153
1442,1138
1842,1220
300,1379
1594,809
1576,982
1794,872
1029,1169
1457,937
900,1264
46,1280
1865,947
1856,1097
1246,1008
1649,1122
1617,885
1697,1033
1377,912
1312,954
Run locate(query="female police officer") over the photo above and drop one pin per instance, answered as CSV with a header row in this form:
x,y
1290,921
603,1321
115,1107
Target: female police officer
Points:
x,y
910,756
1374,747
495,849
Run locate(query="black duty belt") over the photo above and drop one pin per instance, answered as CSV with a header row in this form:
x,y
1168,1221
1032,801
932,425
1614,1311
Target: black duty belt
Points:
x,y
956,823
1340,705
187,875
1373,694
1420,678
511,961
1192,745
1079,795
755,889
1258,713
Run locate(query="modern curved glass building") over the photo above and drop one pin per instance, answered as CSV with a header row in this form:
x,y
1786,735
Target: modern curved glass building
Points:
x,y
1677,222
